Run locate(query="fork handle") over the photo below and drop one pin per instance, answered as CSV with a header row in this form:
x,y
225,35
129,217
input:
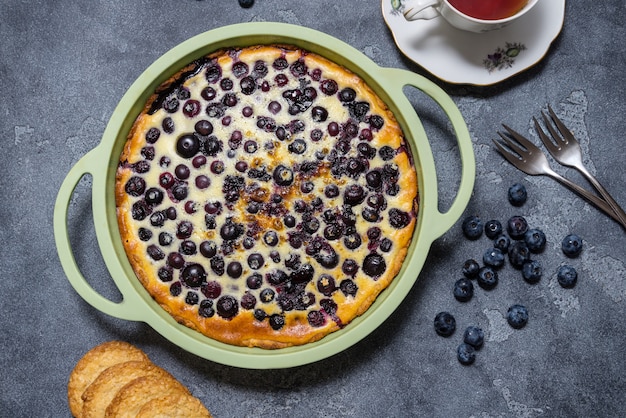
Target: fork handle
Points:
x,y
595,200
603,192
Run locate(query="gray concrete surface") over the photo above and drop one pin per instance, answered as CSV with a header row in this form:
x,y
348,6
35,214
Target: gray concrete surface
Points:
x,y
64,65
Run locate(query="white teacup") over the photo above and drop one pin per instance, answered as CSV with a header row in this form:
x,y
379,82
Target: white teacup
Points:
x,y
429,9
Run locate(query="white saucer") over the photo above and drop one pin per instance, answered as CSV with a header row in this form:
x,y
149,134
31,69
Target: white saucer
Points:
x,y
482,59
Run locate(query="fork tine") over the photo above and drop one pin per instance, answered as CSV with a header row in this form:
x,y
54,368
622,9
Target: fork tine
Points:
x,y
510,157
556,135
567,134
513,145
522,140
544,138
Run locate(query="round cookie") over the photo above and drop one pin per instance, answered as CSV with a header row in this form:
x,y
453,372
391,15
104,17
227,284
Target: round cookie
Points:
x,y
174,406
93,363
101,392
134,395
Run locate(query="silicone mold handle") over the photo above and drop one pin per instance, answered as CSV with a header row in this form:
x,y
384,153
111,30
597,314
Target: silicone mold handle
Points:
x,y
91,163
439,222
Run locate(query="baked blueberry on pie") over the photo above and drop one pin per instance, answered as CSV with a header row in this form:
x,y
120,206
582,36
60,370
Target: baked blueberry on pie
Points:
x,y
266,196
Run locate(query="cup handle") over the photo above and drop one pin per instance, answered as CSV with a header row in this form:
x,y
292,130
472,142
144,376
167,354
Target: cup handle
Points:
x,y
421,9
90,163
441,221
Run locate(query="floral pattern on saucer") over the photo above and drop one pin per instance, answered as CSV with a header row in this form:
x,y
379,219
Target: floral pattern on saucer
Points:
x,y
503,58
397,6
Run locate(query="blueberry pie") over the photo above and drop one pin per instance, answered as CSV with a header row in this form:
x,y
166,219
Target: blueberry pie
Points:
x,y
266,196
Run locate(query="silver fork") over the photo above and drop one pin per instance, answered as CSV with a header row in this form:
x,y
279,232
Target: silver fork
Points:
x,y
528,158
567,151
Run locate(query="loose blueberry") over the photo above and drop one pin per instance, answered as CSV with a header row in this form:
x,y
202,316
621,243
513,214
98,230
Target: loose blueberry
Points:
x,y
493,257
474,336
466,354
487,278
517,316
535,239
572,245
471,268
502,243
463,289
445,324
567,276
518,254
493,228
532,271
517,194
517,227
472,227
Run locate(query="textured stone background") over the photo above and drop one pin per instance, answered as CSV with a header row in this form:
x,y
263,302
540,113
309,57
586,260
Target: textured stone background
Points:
x,y
64,67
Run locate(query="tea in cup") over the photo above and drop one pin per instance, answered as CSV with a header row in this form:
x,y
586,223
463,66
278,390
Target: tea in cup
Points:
x,y
469,15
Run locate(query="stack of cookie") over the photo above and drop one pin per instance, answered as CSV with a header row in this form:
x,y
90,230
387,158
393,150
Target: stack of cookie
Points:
x,y
116,379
